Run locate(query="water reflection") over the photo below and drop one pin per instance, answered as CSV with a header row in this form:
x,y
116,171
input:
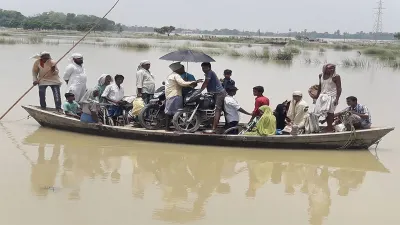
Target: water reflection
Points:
x,y
188,177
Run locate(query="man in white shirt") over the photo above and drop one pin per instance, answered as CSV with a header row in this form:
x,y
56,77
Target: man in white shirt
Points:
x,y
145,82
232,109
75,77
114,93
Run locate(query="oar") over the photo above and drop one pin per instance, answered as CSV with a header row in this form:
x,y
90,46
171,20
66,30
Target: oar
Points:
x,y
87,33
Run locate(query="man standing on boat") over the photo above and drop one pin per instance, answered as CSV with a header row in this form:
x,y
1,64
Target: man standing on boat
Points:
x,y
145,82
329,91
213,85
75,77
173,91
45,74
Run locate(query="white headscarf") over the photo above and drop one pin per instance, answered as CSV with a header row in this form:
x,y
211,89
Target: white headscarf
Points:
x,y
88,97
102,79
292,108
144,62
75,56
39,55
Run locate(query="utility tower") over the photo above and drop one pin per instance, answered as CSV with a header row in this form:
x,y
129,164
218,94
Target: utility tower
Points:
x,y
378,19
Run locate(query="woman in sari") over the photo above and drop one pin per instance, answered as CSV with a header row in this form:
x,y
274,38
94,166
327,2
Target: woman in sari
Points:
x,y
90,107
267,123
103,82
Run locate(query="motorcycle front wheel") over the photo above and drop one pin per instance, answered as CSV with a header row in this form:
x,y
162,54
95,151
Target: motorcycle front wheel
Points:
x,y
151,117
181,123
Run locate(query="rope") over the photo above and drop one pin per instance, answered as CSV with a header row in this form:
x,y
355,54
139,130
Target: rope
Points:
x,y
87,33
345,119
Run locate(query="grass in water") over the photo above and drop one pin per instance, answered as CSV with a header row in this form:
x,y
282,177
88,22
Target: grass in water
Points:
x,y
35,39
342,47
5,34
234,53
133,45
283,55
292,50
6,41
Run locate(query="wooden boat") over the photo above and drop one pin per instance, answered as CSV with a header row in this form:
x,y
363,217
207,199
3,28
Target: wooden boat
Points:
x,y
351,160
361,139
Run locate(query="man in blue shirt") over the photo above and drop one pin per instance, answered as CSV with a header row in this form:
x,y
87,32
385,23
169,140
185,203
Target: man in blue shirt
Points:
x,y
213,85
360,117
186,77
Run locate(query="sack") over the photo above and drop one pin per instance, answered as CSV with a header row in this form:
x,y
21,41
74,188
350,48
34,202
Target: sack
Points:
x,y
312,124
138,105
313,91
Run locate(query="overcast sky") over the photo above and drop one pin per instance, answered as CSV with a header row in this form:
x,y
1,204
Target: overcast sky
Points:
x,y
267,15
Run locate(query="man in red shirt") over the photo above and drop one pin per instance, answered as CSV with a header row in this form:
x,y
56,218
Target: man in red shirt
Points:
x,y
260,101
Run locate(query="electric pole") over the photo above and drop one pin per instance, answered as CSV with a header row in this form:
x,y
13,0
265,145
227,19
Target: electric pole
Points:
x,y
378,20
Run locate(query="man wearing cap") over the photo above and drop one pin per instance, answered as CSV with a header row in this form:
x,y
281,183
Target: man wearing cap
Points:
x,y
145,82
232,108
297,113
75,77
45,74
173,91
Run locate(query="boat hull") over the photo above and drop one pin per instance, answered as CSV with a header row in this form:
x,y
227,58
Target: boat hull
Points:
x,y
363,139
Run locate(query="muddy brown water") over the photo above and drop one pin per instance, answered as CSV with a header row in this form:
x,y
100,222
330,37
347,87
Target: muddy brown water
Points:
x,y
55,177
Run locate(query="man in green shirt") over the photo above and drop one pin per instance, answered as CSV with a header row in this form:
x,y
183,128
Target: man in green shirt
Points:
x,y
71,107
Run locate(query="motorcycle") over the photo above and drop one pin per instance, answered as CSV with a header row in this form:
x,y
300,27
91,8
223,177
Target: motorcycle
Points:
x,y
152,116
198,109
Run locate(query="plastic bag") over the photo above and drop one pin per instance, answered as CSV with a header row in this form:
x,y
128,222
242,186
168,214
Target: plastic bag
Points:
x,y
138,105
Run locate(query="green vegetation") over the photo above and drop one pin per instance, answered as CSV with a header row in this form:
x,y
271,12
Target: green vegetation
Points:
x,y
358,63
264,54
383,53
6,41
234,53
283,55
133,45
292,50
342,47
55,21
35,40
165,30
397,36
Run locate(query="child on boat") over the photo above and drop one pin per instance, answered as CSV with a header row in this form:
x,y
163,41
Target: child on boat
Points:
x,y
71,107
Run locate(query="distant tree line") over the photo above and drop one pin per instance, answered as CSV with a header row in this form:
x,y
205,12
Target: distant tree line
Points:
x,y
71,21
55,21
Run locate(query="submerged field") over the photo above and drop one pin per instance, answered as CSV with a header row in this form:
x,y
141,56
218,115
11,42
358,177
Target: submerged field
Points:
x,y
357,54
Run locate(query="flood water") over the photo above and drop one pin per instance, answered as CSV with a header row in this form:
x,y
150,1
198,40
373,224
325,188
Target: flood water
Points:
x,y
55,177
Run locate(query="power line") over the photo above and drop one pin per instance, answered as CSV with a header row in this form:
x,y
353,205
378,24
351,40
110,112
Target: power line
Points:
x,y
378,25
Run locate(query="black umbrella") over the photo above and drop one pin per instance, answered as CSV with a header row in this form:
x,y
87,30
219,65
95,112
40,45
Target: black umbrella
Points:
x,y
187,56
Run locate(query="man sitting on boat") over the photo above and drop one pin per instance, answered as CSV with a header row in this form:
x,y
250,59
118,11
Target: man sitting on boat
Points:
x,y
114,93
90,107
71,107
297,113
360,116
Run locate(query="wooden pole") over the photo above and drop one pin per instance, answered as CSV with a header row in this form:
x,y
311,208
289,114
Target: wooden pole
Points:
x,y
87,33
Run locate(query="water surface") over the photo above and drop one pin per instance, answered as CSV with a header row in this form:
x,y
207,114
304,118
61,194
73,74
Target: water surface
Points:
x,y
55,177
